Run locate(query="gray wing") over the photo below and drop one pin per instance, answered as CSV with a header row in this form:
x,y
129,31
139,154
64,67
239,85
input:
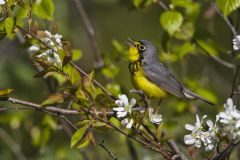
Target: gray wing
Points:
x,y
166,80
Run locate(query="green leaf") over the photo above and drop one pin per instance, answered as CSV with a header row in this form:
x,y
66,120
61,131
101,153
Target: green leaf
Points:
x,y
208,95
113,88
159,131
228,6
77,54
73,74
88,85
142,3
9,24
6,92
185,49
53,99
78,136
83,144
111,71
208,47
168,57
171,21
44,9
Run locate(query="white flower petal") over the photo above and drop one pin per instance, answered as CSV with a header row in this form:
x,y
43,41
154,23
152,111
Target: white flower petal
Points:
x,y
210,123
224,121
132,102
189,127
229,102
123,98
235,47
121,114
119,109
2,2
157,118
198,123
223,115
238,124
189,139
198,143
48,34
119,103
209,147
33,49
129,125
235,114
124,121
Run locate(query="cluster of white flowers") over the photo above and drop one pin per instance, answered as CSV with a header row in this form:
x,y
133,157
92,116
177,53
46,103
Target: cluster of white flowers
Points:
x,y
53,41
227,125
230,121
124,110
199,136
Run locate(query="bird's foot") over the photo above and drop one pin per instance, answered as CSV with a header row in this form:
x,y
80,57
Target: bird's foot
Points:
x,y
144,98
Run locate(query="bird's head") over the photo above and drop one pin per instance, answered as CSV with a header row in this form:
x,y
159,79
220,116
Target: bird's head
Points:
x,y
141,50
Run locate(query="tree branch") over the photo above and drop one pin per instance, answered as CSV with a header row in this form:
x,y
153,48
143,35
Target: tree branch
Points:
x,y
233,30
107,150
91,33
60,112
13,146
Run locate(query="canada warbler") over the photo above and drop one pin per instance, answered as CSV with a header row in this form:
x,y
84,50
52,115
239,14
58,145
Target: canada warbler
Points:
x,y
151,76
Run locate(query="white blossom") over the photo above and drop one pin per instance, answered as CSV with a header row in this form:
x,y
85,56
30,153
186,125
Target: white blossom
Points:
x,y
34,49
199,136
154,118
124,107
53,41
127,122
2,2
236,43
51,57
230,121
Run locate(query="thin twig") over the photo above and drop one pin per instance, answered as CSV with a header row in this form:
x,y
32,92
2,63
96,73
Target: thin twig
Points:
x,y
226,152
160,149
217,59
233,30
58,112
222,62
94,81
91,33
107,150
50,110
234,80
13,146
173,145
161,4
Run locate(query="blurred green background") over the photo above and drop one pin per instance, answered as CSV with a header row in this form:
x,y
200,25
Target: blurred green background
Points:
x,y
42,137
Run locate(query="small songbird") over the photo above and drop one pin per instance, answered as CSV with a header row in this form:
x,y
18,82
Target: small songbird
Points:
x,y
150,75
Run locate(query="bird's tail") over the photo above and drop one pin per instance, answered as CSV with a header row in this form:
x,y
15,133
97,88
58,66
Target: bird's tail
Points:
x,y
191,95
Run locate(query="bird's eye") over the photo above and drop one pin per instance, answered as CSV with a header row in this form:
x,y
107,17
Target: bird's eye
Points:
x,y
141,47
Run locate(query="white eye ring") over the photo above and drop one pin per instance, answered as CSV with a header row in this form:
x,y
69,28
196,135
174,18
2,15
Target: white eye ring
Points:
x,y
141,47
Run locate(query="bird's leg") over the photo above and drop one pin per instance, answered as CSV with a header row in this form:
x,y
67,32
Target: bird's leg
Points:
x,y
142,95
158,106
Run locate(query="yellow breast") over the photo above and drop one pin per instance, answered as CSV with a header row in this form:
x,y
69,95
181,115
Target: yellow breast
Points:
x,y
149,88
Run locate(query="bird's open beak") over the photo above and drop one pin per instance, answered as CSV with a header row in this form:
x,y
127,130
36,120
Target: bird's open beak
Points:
x,y
131,42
